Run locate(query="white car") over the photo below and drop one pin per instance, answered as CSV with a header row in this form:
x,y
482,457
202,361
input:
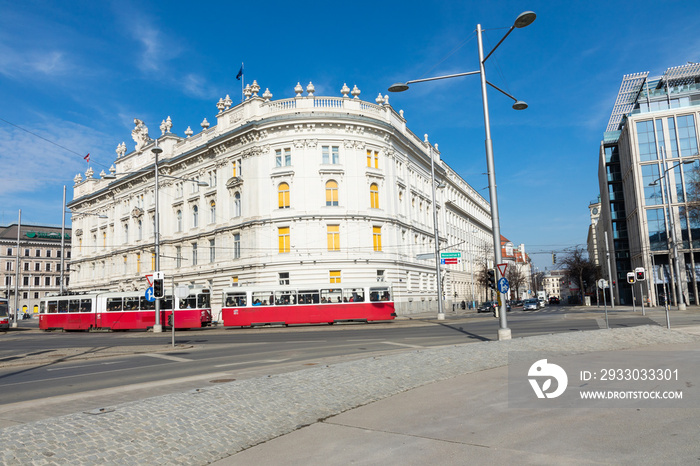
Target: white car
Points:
x,y
543,302
531,305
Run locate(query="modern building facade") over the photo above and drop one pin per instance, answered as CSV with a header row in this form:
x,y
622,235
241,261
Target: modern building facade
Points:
x,y
647,159
39,258
304,190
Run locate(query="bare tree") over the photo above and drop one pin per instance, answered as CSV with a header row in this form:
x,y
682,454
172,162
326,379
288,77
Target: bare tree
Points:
x,y
516,278
580,270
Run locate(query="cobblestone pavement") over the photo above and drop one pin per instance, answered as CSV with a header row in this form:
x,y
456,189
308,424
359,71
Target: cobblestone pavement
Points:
x,y
203,426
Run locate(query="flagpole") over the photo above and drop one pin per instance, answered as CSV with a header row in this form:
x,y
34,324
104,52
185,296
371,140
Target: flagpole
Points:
x,y
242,81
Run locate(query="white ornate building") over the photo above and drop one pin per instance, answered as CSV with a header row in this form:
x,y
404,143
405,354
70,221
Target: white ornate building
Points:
x,y
304,190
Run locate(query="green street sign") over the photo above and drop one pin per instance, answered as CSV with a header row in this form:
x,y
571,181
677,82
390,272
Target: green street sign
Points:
x,y
450,255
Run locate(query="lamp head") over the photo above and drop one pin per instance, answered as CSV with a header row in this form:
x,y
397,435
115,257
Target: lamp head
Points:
x,y
524,19
398,87
157,150
519,105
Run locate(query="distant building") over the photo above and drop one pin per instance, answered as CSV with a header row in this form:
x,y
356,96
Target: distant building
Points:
x,y
306,190
647,156
39,263
517,260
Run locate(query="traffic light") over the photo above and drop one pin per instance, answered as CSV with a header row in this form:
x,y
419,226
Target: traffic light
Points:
x,y
630,278
492,279
554,258
641,275
158,291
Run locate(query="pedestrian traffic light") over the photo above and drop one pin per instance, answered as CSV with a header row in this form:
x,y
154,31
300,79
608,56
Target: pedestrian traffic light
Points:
x,y
158,291
492,279
641,275
630,278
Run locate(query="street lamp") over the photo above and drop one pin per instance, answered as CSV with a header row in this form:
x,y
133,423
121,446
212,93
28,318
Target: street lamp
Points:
x,y
671,221
441,311
524,19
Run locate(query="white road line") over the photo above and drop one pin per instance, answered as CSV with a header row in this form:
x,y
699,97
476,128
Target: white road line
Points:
x,y
402,344
168,357
252,362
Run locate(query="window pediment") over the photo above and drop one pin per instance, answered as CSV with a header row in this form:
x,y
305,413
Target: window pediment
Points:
x,y
234,182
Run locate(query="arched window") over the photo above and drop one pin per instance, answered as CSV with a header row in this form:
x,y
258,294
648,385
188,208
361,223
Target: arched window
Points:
x,y
374,196
212,211
178,216
331,193
195,217
126,232
283,196
237,205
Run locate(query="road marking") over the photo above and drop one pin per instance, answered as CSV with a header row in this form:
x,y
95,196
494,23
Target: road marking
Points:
x,y
402,344
253,362
82,365
167,356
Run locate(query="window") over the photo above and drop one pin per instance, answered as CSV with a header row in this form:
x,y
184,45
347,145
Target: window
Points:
x,y
25,281
195,216
48,253
237,205
194,253
237,246
283,237
331,193
178,256
139,231
58,281
377,238
374,196
646,140
37,253
283,195
333,234
212,178
380,275
104,242
283,157
138,262
178,190
212,211
37,267
153,261
372,159
126,232
126,262
284,278
212,250
334,276
26,253
686,136
8,266
26,266
9,252
36,281
47,281
331,154
236,164
178,220
48,267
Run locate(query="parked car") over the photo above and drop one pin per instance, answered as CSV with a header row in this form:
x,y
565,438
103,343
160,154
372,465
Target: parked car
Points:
x,y
531,305
553,300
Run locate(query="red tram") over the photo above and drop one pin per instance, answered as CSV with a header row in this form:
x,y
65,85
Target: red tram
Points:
x,y
284,305
4,314
118,310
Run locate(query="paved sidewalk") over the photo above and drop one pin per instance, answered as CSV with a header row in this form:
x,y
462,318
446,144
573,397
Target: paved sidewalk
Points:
x,y
430,406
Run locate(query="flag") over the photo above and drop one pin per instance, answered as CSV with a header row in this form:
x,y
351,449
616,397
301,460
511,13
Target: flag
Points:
x,y
87,158
240,73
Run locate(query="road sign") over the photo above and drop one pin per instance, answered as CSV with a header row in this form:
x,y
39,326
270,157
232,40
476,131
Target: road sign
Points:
x,y
426,256
503,285
149,279
450,255
502,269
150,297
452,260
602,283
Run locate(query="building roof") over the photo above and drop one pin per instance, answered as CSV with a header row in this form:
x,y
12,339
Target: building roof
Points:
x,y
41,233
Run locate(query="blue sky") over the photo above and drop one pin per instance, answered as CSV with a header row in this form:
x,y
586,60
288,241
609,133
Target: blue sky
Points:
x,y
78,73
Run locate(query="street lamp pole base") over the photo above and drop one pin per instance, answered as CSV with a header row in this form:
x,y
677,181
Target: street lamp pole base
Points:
x,y
14,324
441,316
681,306
504,334
157,329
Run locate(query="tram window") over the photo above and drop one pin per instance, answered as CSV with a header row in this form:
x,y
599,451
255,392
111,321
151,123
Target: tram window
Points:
x,y
262,298
334,295
285,298
188,303
114,304
131,304
203,301
147,305
309,297
74,305
236,299
42,307
85,305
379,294
53,307
166,303
62,306
353,295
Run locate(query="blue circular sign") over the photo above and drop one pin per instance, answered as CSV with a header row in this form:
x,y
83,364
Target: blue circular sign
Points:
x,y
503,285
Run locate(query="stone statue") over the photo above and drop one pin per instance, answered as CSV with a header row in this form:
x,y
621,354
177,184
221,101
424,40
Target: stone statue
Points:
x,y
140,134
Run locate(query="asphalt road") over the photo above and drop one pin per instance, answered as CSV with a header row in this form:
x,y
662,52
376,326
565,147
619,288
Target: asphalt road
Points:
x,y
206,356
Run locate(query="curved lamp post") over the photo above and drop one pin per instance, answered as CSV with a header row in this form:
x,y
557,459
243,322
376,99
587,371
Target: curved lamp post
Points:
x,y
524,19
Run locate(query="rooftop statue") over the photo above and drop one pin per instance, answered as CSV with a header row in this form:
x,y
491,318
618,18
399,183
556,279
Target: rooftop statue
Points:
x,y
140,134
